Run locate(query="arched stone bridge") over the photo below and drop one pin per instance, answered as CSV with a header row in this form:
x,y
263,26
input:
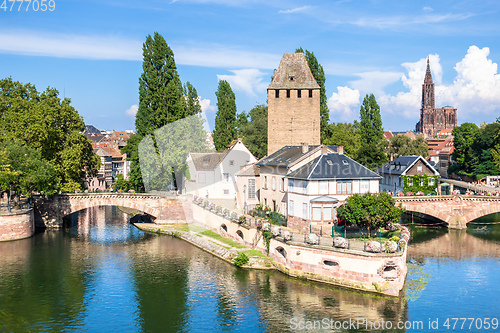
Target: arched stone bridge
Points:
x,y
455,210
49,212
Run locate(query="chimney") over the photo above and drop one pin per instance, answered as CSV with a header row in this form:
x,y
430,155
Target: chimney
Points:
x,y
305,148
324,150
340,150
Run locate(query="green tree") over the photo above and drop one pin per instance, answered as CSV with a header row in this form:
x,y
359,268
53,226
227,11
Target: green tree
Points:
x,y
373,144
464,137
52,126
253,131
346,135
225,120
401,145
370,211
32,172
319,75
162,100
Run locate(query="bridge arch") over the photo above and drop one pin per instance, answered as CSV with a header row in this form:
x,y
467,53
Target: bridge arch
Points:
x,y
50,211
456,210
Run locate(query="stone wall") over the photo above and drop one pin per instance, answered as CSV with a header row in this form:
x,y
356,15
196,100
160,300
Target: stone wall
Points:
x,y
383,273
17,225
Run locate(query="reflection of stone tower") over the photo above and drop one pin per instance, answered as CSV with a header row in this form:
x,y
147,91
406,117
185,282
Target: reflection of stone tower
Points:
x,y
433,120
293,100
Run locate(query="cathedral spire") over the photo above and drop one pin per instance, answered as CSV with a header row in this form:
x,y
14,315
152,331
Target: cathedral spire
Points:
x,y
428,76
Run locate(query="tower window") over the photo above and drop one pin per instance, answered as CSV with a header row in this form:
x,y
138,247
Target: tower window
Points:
x,y
310,93
299,93
277,93
291,78
288,93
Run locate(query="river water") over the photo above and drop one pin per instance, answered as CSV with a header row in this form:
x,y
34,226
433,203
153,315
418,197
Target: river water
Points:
x,y
103,275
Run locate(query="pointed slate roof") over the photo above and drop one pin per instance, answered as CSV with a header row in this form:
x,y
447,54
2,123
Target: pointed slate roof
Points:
x,y
333,166
400,165
293,73
287,155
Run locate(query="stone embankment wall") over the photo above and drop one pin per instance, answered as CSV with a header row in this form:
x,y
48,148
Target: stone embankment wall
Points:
x,y
376,272
17,225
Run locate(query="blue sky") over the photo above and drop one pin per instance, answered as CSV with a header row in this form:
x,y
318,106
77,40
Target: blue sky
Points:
x,y
91,51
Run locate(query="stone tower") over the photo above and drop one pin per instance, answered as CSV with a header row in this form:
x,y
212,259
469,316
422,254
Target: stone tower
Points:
x,y
293,105
433,120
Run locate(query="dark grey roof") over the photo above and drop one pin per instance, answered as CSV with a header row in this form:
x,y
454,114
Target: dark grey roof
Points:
x,y
286,155
206,161
90,129
401,164
333,166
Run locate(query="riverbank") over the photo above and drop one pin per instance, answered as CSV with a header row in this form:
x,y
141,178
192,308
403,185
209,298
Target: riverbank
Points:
x,y
221,247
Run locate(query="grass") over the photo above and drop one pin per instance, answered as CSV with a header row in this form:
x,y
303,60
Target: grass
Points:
x,y
218,237
254,254
179,227
196,228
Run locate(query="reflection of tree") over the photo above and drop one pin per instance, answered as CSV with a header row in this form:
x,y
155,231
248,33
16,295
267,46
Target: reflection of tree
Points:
x,y
416,281
161,280
49,286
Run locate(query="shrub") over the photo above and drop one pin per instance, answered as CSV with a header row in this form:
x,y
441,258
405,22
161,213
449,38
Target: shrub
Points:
x,y
241,259
340,242
276,231
390,246
266,226
373,246
312,239
287,236
394,239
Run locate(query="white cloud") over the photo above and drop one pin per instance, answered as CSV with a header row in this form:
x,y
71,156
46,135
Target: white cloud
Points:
x,y
475,89
294,10
250,81
428,9
391,22
205,105
344,104
374,82
116,48
132,110
70,46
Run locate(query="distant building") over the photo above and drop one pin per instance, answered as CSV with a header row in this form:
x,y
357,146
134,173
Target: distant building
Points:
x,y
392,173
212,175
104,177
293,105
433,120
441,153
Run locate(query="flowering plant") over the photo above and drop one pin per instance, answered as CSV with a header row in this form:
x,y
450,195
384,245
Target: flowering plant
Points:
x,y
218,209
409,193
259,224
266,226
400,194
312,239
287,236
340,242
242,219
373,246
226,212
276,231
402,244
234,216
390,246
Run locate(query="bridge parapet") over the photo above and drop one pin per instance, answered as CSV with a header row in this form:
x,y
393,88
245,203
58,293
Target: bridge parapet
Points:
x,y
455,210
49,212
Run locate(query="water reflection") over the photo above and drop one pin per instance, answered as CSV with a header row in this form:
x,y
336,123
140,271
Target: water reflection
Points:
x,y
102,274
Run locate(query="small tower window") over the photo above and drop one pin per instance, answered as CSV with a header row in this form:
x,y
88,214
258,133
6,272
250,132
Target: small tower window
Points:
x,y
277,93
299,93
291,78
288,93
310,93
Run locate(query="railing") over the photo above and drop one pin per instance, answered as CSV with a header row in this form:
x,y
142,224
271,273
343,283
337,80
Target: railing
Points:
x,y
286,235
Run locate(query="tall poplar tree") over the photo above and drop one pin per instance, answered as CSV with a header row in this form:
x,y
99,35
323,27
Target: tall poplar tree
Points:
x,y
373,144
319,75
161,99
225,120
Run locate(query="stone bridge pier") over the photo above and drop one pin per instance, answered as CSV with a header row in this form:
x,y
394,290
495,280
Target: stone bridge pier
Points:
x,y
49,212
455,210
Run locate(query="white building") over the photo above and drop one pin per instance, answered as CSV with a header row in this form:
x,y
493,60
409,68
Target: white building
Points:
x,y
212,174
